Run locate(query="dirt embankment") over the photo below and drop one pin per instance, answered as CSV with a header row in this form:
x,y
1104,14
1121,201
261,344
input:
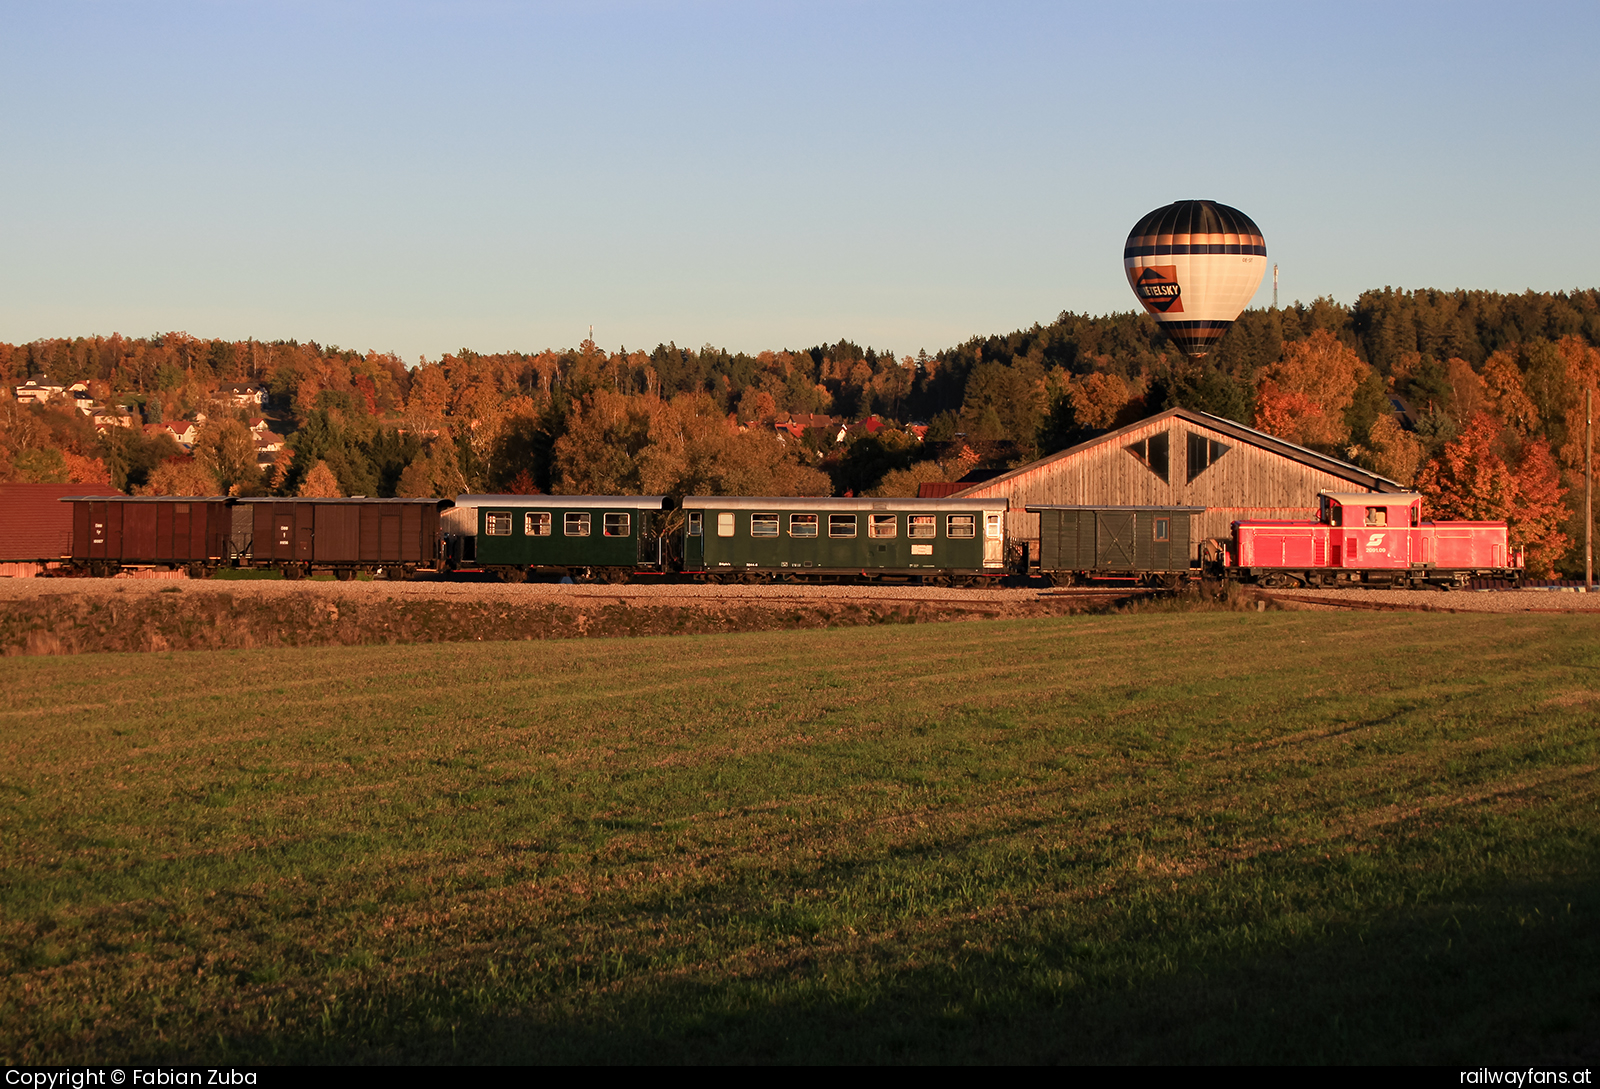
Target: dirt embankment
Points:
x,y
215,619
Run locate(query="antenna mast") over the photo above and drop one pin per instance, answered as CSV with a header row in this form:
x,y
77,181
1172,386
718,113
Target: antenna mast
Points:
x,y
1274,286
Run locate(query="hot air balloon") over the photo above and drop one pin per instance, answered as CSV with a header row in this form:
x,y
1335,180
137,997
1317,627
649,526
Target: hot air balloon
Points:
x,y
1194,265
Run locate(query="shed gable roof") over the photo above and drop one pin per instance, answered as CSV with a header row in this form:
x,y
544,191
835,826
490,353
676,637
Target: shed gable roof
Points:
x,y
1237,431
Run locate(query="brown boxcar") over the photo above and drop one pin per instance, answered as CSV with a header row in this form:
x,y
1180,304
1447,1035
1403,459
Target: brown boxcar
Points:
x,y
114,531
345,535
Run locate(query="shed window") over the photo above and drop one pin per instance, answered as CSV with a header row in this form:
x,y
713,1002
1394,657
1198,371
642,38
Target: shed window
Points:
x,y
536,524
696,523
961,525
922,525
497,523
763,525
618,525
725,525
884,525
575,524
802,525
1203,453
1153,453
1163,529
841,525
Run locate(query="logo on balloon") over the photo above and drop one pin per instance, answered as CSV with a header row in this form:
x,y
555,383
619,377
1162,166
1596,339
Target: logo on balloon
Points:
x,y
1157,287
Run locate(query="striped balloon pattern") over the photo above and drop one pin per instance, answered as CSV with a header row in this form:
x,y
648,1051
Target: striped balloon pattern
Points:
x,y
1194,265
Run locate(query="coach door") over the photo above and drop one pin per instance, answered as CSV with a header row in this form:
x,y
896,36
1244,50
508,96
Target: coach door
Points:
x,y
694,541
994,541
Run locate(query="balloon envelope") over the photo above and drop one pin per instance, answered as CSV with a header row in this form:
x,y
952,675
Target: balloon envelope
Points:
x,y
1194,265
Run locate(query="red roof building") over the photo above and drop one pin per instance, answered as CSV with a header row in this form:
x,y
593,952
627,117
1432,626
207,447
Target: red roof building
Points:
x,y
34,523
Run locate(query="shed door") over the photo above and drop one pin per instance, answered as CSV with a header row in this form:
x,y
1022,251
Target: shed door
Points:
x,y
1114,542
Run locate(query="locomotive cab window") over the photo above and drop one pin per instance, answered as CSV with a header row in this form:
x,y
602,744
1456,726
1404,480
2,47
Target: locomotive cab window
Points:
x,y
1416,515
884,525
618,525
575,524
1163,529
725,525
536,524
696,523
841,525
922,525
1377,516
497,523
802,525
960,525
763,525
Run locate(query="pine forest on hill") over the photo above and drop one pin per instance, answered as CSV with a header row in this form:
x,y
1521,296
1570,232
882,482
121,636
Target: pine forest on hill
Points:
x,y
1475,398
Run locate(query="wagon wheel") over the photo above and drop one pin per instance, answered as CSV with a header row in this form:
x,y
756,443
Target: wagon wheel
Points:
x,y
936,580
345,574
513,575
614,575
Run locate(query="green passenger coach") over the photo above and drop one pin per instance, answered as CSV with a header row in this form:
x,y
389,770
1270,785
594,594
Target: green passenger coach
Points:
x,y
935,540
585,536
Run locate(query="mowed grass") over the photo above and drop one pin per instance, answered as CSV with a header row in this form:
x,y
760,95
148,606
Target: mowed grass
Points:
x,y
1169,837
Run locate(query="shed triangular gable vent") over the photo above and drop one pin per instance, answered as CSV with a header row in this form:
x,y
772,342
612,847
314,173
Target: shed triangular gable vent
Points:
x,y
1203,453
1153,452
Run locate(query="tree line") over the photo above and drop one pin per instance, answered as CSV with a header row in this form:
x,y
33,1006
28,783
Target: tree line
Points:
x,y
1490,386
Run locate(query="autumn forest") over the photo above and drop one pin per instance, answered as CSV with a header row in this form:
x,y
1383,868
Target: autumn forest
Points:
x,y
1475,398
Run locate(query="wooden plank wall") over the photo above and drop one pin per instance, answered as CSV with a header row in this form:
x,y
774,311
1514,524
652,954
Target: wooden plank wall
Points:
x,y
1246,482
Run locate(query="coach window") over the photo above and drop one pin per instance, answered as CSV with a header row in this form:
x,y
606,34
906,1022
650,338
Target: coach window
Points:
x,y
841,525
884,525
536,524
763,525
724,525
576,524
1377,516
1163,529
922,525
696,523
802,525
960,525
618,525
497,523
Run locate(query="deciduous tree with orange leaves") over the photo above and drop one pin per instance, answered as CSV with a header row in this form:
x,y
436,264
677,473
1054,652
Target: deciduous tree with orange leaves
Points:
x,y
1471,481
1303,396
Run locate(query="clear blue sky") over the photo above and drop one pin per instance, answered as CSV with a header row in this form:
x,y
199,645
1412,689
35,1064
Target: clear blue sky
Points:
x,y
420,177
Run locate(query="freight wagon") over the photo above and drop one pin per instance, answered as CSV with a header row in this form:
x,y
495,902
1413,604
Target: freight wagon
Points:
x,y
1077,543
395,537
113,532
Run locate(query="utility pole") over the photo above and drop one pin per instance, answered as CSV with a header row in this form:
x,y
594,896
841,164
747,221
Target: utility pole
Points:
x,y
1588,490
1274,286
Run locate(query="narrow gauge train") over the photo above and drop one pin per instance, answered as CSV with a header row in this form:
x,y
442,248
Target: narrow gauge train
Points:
x,y
1358,539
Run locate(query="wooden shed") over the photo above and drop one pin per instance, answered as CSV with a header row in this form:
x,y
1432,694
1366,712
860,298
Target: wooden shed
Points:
x,y
1179,458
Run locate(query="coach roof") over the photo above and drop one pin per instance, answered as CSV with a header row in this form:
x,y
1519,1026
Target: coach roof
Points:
x,y
863,503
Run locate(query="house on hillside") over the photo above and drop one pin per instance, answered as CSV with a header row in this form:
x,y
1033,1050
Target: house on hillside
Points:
x,y
242,394
1174,459
795,425
37,391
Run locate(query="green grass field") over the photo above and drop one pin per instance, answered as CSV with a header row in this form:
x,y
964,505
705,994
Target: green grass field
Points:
x,y
1167,837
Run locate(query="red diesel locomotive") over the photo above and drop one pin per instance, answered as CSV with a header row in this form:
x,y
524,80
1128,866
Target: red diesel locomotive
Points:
x,y
1364,538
